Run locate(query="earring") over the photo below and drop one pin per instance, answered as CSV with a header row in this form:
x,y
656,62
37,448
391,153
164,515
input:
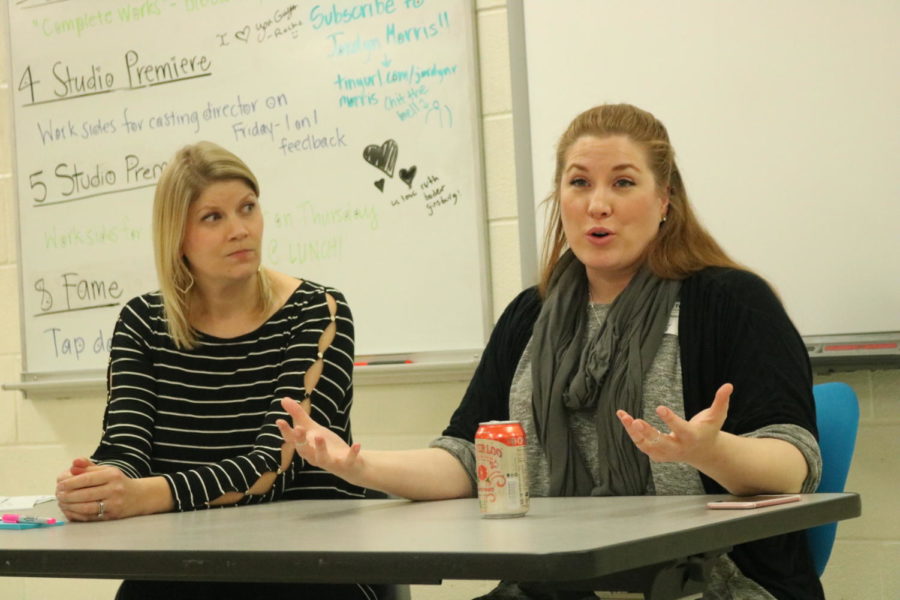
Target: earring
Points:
x,y
189,285
664,219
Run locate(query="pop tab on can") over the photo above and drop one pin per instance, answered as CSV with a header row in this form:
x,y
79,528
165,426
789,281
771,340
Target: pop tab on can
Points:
x,y
501,469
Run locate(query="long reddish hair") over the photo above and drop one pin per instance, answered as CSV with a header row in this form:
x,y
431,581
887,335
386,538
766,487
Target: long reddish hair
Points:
x,y
682,246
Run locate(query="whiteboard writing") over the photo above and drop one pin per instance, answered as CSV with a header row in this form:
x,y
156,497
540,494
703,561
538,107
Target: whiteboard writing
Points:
x,y
358,118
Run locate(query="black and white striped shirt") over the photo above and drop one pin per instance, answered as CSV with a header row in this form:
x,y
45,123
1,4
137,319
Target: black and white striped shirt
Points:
x,y
205,418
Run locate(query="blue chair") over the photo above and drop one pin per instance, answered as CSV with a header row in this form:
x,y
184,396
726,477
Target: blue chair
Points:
x,y
837,417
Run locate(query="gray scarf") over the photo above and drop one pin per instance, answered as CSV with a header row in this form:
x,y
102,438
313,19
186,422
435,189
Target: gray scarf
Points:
x,y
571,372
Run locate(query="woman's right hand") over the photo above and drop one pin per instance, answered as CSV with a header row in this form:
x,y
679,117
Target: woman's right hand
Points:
x,y
90,492
79,465
82,488
318,445
421,474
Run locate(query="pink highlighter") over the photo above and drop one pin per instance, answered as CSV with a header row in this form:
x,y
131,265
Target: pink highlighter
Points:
x,y
13,518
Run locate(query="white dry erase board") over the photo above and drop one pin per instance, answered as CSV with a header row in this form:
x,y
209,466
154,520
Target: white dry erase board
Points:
x,y
359,118
785,115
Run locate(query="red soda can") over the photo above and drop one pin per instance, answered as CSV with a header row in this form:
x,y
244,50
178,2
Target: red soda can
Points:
x,y
501,469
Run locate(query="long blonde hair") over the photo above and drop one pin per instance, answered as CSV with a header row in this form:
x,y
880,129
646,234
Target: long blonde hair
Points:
x,y
193,169
682,246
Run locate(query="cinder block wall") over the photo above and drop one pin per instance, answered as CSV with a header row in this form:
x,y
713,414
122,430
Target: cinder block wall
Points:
x,y
39,436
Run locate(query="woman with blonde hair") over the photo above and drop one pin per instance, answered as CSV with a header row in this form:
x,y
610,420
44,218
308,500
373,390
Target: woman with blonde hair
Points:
x,y
198,368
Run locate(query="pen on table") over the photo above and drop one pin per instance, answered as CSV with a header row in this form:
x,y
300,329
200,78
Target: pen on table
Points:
x,y
376,363
13,518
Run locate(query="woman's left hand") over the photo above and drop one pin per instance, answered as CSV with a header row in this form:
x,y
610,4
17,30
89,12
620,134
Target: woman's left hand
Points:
x,y
689,441
98,493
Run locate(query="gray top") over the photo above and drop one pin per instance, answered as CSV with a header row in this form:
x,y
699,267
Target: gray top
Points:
x,y
662,387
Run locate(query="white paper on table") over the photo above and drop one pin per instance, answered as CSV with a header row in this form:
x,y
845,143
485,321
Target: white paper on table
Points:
x,y
23,502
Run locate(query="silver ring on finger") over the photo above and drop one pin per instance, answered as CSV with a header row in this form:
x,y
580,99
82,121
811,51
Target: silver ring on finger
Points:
x,y
101,509
656,439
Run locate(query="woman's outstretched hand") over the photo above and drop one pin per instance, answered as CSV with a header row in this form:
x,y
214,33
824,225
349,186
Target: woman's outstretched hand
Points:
x,y
690,442
743,465
318,445
420,474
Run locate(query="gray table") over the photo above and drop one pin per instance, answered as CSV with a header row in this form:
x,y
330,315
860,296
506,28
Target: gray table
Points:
x,y
659,545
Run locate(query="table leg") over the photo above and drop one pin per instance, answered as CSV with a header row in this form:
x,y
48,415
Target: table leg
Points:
x,y
663,581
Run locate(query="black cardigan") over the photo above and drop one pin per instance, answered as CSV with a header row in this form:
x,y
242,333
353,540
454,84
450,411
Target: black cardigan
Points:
x,y
732,329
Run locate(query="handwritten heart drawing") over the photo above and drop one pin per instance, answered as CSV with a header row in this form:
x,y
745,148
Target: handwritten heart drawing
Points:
x,y
407,175
380,184
382,157
243,34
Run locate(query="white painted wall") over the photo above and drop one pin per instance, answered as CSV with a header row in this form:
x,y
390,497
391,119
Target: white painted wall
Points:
x,y
39,436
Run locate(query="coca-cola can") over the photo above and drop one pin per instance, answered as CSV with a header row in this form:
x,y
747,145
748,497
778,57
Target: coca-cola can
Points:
x,y
501,469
